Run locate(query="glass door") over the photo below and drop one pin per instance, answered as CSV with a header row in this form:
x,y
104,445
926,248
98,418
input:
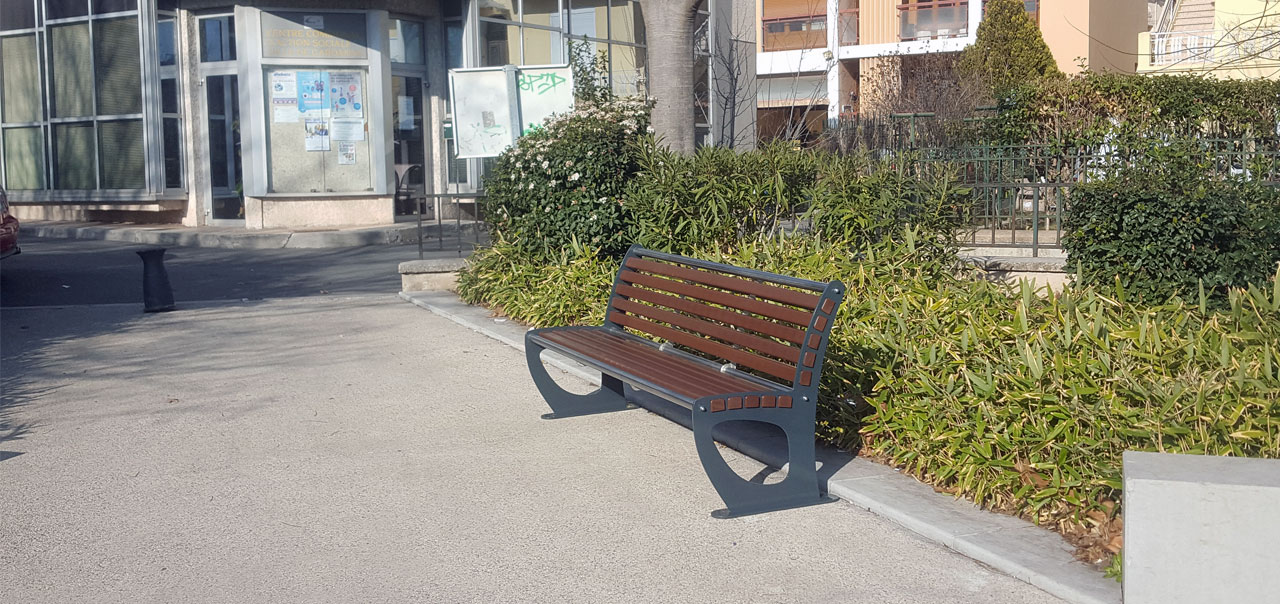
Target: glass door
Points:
x,y
222,104
409,140
223,194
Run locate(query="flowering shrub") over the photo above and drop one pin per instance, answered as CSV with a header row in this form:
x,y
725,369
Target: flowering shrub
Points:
x,y
562,183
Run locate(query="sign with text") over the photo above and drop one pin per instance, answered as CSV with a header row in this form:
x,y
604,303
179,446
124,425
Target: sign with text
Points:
x,y
302,35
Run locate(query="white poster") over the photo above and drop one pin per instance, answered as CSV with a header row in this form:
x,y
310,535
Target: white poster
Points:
x,y
346,94
284,97
317,133
405,105
348,129
346,154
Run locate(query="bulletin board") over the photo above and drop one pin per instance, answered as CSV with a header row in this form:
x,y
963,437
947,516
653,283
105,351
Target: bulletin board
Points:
x,y
318,130
484,120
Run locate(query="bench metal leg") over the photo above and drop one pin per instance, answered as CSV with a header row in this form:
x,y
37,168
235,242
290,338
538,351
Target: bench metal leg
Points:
x,y
610,397
742,497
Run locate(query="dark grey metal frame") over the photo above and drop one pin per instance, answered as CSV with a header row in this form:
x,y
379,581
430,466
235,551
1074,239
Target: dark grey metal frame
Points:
x,y
741,497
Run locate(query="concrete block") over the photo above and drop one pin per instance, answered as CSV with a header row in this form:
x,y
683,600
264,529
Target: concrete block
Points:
x,y
432,274
1201,529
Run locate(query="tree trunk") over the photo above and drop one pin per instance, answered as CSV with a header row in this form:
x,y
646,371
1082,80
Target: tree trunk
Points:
x,y
668,28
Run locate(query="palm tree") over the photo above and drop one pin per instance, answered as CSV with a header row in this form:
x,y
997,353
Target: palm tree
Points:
x,y
668,28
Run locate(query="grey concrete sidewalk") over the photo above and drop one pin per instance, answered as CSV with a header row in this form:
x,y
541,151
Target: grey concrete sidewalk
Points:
x,y
1008,544
240,238
359,449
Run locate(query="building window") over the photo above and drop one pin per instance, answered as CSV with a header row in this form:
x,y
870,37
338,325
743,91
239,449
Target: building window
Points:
x,y
405,42
72,101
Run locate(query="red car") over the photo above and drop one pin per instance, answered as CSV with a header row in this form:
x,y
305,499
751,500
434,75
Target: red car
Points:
x,y
8,229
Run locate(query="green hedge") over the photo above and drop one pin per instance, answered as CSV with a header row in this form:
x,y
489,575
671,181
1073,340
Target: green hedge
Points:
x,y
1160,231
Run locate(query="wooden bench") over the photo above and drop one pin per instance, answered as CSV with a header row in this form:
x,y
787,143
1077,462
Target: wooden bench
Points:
x,y
732,344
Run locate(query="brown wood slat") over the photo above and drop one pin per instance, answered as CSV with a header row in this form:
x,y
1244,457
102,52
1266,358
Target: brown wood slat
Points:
x,y
672,368
738,319
731,283
759,307
634,360
679,375
728,335
777,369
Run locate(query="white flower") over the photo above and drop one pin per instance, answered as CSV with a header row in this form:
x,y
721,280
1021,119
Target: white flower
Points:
x,y
545,164
547,210
568,164
552,184
574,176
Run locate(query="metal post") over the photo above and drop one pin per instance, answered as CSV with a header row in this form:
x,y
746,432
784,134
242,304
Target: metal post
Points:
x,y
157,296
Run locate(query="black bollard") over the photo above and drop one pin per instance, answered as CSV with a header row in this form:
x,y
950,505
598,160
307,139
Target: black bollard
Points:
x,y
157,296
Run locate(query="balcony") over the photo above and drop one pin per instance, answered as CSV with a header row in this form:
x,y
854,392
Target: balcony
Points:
x,y
794,33
933,19
1210,48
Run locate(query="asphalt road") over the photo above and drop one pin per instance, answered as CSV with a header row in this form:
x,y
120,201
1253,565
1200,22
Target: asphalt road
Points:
x,y
53,272
360,449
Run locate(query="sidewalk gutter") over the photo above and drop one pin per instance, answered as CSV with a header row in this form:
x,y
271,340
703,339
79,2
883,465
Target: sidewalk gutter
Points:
x,y
1011,545
238,238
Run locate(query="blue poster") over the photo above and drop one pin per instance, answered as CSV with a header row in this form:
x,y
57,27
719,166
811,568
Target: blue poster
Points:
x,y
313,91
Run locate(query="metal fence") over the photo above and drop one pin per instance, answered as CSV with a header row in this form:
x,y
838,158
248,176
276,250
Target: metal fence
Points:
x,y
450,222
1021,193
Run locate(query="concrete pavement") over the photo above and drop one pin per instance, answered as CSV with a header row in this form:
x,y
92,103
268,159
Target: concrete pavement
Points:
x,y
338,449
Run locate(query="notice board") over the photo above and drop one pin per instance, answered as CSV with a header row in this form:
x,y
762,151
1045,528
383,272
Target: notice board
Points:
x,y
485,122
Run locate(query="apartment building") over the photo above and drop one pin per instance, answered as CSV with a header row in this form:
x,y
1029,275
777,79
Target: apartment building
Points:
x,y
817,58
1219,38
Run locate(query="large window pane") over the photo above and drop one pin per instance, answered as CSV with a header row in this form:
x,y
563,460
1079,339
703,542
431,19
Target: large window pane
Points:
x,y
405,39
217,39
123,158
71,73
498,9
61,9
624,24
542,47
627,69
172,153
589,18
499,44
118,66
542,12
74,165
169,96
23,158
17,14
102,7
166,42
22,98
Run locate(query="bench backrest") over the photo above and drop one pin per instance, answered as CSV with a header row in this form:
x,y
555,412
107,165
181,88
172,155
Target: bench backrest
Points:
x,y
773,324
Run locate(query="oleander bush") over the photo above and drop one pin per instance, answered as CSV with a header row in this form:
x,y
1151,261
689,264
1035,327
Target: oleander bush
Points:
x,y
562,184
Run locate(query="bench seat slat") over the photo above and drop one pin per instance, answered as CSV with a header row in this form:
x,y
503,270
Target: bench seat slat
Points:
x,y
724,334
730,317
759,307
777,369
679,375
676,374
737,284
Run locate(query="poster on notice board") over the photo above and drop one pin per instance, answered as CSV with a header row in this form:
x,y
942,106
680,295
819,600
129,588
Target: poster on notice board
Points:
x,y
317,135
313,88
346,94
284,97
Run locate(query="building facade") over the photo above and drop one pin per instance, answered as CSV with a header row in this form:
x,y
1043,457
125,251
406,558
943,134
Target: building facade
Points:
x,y
1218,38
272,114
823,55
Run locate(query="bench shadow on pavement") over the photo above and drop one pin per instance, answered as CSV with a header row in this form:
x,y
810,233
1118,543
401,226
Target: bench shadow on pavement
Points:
x,y
764,442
